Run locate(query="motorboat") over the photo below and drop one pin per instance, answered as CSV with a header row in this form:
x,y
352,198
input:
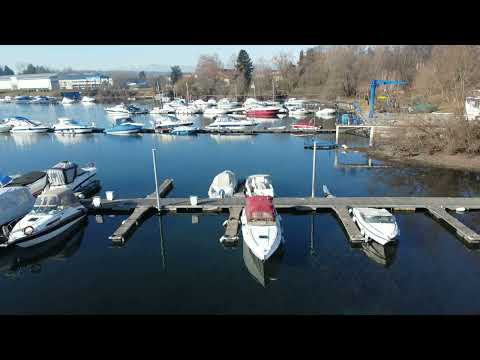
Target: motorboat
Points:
x,y
187,110
374,224
54,212
125,126
298,111
88,99
4,127
15,202
166,109
126,109
326,112
21,124
41,100
68,101
227,104
67,125
259,185
223,185
68,175
23,99
167,123
229,123
200,104
262,271
184,130
472,107
35,181
237,113
214,111
306,124
262,111
261,228
294,102
6,99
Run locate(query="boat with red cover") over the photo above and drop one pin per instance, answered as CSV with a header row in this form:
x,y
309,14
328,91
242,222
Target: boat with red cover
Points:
x,y
306,124
263,111
261,229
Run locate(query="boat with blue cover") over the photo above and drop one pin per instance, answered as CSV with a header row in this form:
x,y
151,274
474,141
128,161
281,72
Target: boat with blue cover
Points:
x,y
125,126
184,130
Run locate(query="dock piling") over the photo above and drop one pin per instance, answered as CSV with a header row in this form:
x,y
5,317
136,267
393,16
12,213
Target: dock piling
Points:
x,y
156,180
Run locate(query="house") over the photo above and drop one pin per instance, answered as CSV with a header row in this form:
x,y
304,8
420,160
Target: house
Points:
x,y
80,81
31,82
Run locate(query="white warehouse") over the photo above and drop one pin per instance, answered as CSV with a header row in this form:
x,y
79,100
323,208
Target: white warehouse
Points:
x,y
33,82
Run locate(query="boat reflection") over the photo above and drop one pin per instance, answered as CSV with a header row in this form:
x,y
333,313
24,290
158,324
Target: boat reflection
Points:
x,y
381,254
220,139
15,259
28,139
262,271
72,139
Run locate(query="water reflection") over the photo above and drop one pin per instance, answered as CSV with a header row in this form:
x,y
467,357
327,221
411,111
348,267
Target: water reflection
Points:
x,y
381,254
27,140
14,260
263,272
72,139
221,139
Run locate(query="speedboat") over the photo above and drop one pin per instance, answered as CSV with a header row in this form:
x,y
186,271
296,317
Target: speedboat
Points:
x,y
299,111
35,181
223,185
187,110
261,229
88,99
214,111
259,185
6,100
126,109
125,126
374,224
306,124
66,125
326,112
262,111
227,104
4,127
184,130
167,123
228,123
21,124
15,202
166,109
68,101
40,100
68,175
54,212
23,99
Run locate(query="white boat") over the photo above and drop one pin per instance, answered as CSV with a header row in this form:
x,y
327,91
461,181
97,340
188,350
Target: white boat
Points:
x,y
326,112
4,127
21,124
166,123
68,175
214,111
374,224
68,101
6,100
23,99
35,181
88,99
298,111
187,110
15,202
259,185
223,185
166,109
40,100
126,109
54,212
261,228
472,107
184,130
229,123
227,104
67,125
292,103
200,104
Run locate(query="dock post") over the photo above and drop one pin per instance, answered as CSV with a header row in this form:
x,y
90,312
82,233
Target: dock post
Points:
x,y
156,180
313,167
372,131
336,134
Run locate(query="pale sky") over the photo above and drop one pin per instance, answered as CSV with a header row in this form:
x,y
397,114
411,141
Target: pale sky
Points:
x,y
111,57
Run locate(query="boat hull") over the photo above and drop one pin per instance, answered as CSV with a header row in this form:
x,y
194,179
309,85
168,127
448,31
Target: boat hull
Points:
x,y
258,249
30,130
262,113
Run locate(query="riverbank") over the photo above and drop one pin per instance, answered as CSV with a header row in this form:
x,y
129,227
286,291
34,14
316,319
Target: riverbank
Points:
x,y
437,160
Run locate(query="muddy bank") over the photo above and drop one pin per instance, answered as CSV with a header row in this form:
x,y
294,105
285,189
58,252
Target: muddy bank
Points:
x,y
438,160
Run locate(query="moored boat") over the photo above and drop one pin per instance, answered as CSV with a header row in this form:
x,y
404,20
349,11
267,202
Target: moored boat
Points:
x,y
67,125
306,124
88,99
229,123
68,175
35,181
184,130
15,202
20,124
223,185
259,185
125,126
262,111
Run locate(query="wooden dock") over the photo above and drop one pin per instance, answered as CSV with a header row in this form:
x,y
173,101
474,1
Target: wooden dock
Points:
x,y
338,205
257,131
232,227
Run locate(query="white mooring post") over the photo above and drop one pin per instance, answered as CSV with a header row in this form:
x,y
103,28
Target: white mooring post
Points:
x,y
156,180
372,131
336,134
313,167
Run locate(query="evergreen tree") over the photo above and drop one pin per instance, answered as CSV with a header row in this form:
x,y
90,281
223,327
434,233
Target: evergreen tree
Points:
x,y
8,71
300,58
142,76
176,74
244,67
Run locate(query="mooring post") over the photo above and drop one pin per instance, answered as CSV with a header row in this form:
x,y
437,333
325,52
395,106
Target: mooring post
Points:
x,y
372,131
313,167
336,134
156,180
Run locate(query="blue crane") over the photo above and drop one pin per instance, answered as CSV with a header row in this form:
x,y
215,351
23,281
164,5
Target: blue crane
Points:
x,y
373,90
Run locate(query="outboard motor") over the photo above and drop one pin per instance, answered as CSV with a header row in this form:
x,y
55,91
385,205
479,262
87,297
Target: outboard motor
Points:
x,y
222,193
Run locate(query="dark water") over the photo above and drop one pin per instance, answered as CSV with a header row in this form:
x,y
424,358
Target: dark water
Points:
x,y
183,269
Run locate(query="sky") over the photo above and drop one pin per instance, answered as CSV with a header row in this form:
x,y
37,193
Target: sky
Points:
x,y
124,57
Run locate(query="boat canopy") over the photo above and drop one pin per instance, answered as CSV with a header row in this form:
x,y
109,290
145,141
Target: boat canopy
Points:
x,y
14,202
373,215
63,173
27,178
225,178
259,208
55,198
4,180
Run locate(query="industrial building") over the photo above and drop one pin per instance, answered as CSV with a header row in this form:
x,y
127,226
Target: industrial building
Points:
x,y
79,81
29,82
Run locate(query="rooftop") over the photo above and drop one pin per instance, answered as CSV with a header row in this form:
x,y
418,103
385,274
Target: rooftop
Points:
x,y
28,76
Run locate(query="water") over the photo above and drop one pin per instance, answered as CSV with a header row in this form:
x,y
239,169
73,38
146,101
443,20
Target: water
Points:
x,y
183,269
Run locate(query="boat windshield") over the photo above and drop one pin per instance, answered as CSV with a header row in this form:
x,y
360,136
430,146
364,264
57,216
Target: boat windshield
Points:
x,y
46,203
380,219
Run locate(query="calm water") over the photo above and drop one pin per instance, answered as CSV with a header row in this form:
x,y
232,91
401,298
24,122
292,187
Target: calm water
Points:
x,y
176,265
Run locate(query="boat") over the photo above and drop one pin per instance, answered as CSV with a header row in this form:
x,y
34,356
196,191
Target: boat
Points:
x,y
35,181
21,124
166,109
223,185
22,99
261,229
306,124
125,126
68,101
262,271
184,130
227,104
293,103
4,127
214,111
88,99
68,175
320,144
166,123
15,202
6,99
229,123
200,104
374,224
277,128
126,109
298,111
41,100
259,185
54,212
262,111
326,112
472,107
67,125
187,110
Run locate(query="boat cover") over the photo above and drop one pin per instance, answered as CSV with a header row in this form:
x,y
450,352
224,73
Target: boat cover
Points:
x,y
224,179
4,180
259,208
62,173
15,202
27,179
